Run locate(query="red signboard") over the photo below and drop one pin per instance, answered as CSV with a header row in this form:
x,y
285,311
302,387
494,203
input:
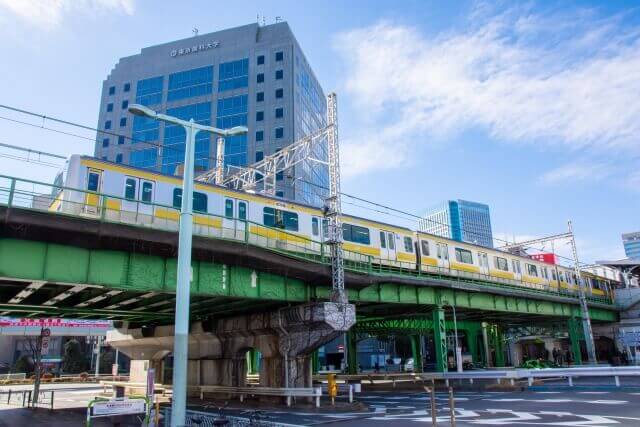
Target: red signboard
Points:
x,y
545,257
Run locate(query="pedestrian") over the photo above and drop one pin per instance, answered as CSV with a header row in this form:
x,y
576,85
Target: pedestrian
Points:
x,y
554,353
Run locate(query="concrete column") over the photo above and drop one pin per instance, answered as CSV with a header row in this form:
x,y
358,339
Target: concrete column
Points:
x,y
440,339
498,345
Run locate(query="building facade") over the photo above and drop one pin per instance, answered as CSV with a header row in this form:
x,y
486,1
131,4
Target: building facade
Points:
x,y
255,76
631,243
460,220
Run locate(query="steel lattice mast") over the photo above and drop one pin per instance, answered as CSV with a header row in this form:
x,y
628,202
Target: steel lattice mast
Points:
x,y
334,209
584,308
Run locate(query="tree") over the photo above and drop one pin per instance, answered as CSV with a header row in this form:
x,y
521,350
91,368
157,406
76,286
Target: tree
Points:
x,y
73,360
23,364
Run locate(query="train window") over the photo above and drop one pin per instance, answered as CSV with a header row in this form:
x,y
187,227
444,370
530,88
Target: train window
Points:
x,y
280,219
483,260
391,241
147,191
553,275
532,270
356,234
464,256
408,245
516,266
93,182
242,210
199,202
383,240
177,198
424,246
228,208
501,263
130,189
443,251
325,228
560,276
315,228
545,273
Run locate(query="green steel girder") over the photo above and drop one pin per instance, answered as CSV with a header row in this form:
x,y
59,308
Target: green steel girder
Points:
x,y
137,273
52,311
440,339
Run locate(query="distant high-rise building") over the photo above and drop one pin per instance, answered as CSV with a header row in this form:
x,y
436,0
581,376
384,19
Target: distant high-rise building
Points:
x,y
255,76
460,220
631,242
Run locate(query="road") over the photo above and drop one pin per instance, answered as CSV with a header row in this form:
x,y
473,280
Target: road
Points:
x,y
394,409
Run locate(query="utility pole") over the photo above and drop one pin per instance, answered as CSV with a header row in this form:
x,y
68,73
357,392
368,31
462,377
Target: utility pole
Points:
x,y
334,209
584,308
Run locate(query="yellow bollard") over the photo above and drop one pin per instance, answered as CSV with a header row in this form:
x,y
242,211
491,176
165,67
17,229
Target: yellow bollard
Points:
x,y
332,387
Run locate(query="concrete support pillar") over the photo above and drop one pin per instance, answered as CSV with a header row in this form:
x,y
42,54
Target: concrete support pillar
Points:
x,y
440,339
485,342
575,326
416,352
352,354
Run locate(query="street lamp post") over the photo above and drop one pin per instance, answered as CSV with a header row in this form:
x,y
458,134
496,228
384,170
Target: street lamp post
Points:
x,y
457,349
185,236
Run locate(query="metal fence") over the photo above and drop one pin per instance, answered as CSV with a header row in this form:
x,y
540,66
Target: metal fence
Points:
x,y
208,419
23,398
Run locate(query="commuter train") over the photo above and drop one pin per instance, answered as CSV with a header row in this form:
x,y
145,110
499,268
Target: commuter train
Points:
x,y
124,193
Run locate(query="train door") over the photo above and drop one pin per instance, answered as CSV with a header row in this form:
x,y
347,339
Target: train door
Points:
x,y
235,217
483,260
387,245
146,197
443,254
94,186
316,232
517,269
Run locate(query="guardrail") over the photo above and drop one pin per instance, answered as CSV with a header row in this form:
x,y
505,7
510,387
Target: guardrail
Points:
x,y
287,392
23,398
530,374
208,419
16,376
60,200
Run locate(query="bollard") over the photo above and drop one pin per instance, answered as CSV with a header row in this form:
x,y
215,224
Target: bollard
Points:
x,y
350,393
332,387
570,381
530,380
617,381
52,391
432,394
452,407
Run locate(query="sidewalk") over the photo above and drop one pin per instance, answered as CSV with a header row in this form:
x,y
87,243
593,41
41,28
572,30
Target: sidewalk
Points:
x,y
13,417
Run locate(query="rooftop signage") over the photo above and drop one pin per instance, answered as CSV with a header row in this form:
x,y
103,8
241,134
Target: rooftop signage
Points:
x,y
195,48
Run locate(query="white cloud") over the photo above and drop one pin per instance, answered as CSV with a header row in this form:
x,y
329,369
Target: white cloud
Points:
x,y
49,14
562,79
579,171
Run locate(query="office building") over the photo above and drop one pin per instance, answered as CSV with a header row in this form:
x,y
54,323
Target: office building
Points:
x,y
253,75
460,220
631,243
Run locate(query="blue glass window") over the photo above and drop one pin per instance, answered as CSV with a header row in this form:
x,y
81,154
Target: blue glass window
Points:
x,y
187,84
120,139
105,142
232,112
125,104
259,137
145,129
174,137
149,91
260,78
279,112
279,133
279,74
112,90
233,75
259,96
123,122
260,59
119,158
107,124
280,194
127,87
279,56
144,158
259,116
259,156
279,93
109,107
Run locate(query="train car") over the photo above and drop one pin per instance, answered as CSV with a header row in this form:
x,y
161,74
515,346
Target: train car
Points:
x,y
123,193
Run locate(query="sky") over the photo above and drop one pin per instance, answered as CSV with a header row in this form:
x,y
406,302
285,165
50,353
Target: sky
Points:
x,y
530,107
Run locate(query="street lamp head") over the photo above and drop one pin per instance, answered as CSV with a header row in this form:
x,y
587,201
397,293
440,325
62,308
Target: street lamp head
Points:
x,y
141,110
237,130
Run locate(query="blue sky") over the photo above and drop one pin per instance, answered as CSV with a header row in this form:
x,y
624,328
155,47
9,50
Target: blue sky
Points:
x,y
533,108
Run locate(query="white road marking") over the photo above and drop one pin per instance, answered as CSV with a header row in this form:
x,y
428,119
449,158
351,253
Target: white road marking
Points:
x,y
516,417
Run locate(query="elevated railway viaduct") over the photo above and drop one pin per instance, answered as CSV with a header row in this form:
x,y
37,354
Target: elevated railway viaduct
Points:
x,y
245,297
